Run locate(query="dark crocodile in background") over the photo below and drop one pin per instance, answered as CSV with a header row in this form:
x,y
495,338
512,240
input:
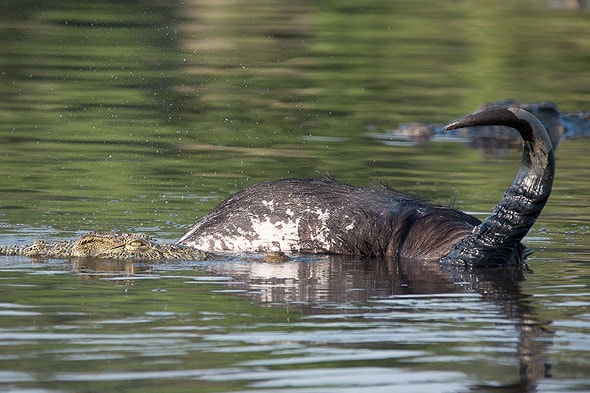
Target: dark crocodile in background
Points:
x,y
560,126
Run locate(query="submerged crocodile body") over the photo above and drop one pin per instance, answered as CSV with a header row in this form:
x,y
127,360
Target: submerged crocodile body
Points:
x,y
494,138
113,245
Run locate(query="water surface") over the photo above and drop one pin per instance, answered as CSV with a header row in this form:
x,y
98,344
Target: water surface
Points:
x,y
141,116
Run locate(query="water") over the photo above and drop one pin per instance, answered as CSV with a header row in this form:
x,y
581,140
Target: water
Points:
x,y
143,116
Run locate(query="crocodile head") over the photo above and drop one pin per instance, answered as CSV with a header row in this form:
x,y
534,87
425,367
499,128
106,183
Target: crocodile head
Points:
x,y
111,245
117,245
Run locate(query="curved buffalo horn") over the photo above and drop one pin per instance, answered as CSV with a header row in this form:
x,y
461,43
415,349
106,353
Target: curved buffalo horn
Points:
x,y
496,239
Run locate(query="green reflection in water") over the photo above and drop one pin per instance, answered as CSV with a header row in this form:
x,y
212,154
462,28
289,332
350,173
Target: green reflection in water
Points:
x,y
132,114
122,334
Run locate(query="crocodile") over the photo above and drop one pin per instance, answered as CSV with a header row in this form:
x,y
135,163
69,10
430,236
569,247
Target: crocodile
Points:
x,y
112,245
122,246
496,138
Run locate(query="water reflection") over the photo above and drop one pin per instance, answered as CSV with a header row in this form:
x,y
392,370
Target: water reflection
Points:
x,y
342,288
90,268
451,327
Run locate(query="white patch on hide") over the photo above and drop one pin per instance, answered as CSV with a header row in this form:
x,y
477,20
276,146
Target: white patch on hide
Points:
x,y
269,204
321,233
268,233
283,235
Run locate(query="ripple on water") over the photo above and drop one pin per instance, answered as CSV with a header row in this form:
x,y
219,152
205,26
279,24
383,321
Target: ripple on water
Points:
x,y
7,376
341,380
345,379
311,355
16,310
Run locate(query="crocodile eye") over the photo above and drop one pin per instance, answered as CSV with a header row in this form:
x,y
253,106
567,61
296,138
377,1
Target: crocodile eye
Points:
x,y
136,244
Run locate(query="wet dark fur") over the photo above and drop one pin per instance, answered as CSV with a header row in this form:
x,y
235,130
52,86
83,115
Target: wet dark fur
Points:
x,y
386,222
